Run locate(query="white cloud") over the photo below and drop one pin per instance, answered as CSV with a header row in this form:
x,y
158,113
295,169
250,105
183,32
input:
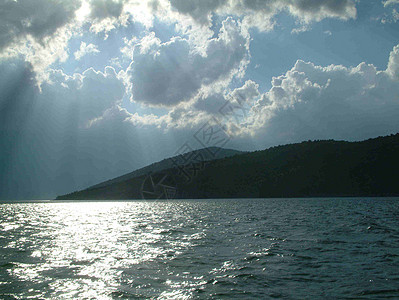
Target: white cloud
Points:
x,y
393,16
40,30
313,102
90,93
307,102
128,49
102,15
85,49
166,74
393,63
230,107
390,2
37,30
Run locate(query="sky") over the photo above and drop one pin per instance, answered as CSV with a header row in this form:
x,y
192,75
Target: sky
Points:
x,y
93,89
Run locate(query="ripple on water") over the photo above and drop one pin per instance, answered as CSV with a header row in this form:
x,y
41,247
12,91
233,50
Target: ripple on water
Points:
x,y
229,249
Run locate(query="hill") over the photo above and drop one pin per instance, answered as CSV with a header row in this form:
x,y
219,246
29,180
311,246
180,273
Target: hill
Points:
x,y
204,155
308,169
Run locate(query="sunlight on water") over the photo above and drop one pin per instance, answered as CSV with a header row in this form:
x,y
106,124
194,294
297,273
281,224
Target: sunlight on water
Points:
x,y
87,246
197,249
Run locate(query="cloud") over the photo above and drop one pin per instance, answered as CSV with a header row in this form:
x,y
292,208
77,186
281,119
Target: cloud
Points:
x,y
311,10
128,48
230,107
260,13
390,2
313,102
37,19
227,104
102,9
393,63
307,102
85,49
199,10
393,15
106,15
88,94
47,145
38,31
166,74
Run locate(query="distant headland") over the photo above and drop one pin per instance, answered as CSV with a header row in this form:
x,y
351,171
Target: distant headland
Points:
x,y
325,168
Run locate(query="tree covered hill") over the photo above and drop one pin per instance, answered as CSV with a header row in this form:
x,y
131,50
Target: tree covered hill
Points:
x,y
309,169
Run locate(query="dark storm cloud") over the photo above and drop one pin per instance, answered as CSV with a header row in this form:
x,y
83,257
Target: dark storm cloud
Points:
x,y
168,73
38,19
262,10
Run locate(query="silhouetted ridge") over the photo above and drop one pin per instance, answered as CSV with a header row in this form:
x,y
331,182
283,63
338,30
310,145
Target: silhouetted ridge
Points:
x,y
206,154
308,169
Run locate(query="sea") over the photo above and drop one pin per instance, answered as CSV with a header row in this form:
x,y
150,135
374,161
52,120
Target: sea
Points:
x,y
325,248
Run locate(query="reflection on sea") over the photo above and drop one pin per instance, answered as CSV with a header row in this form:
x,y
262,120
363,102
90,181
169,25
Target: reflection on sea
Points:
x,y
199,249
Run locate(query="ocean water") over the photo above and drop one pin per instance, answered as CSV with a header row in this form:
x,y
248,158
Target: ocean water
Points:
x,y
201,249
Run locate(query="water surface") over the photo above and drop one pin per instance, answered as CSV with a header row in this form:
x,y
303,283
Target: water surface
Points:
x,y
201,249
